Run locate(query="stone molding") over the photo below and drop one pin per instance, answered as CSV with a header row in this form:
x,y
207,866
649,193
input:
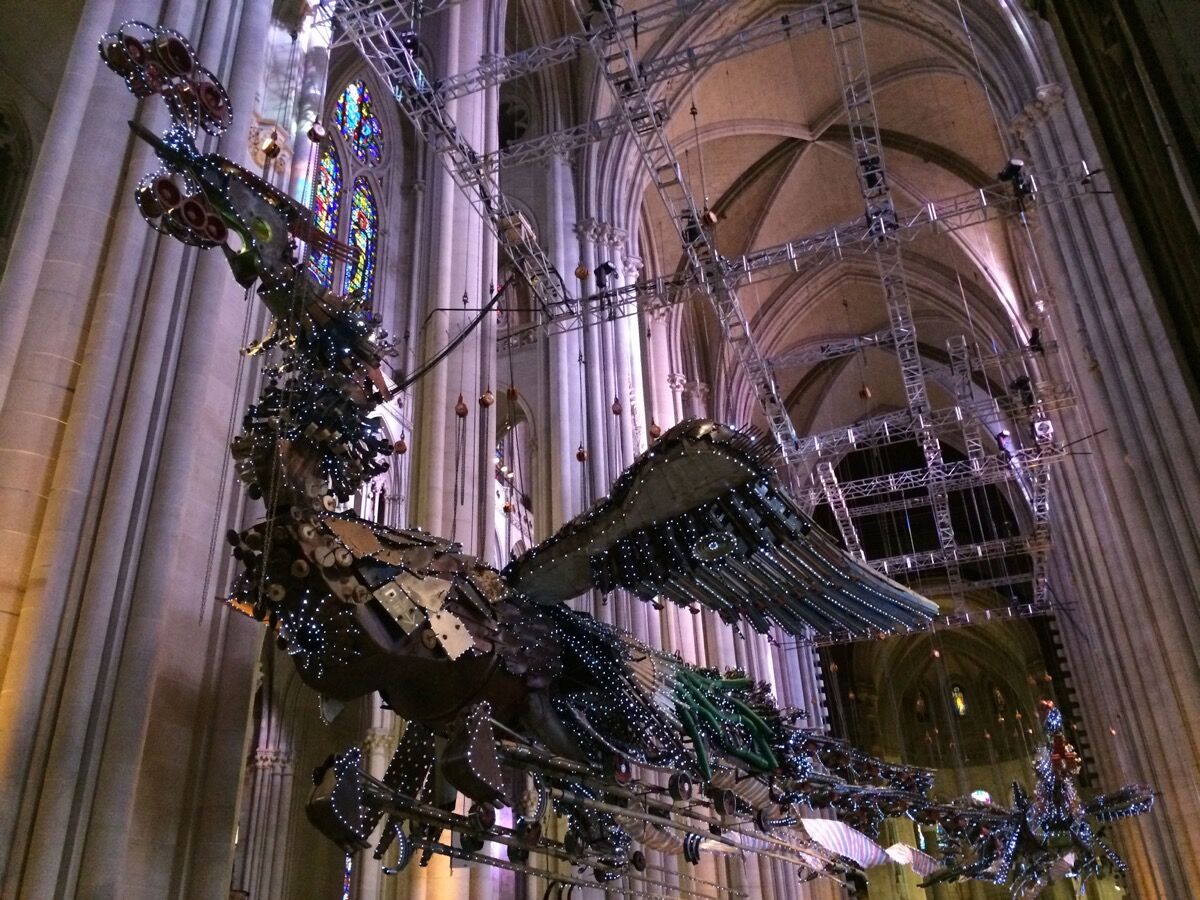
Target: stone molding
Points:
x,y
1048,98
273,760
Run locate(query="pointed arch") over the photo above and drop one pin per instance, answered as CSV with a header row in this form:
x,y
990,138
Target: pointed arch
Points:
x,y
364,238
327,195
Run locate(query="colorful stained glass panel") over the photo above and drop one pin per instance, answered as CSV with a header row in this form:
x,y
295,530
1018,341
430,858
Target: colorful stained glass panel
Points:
x,y
364,237
356,120
959,699
326,194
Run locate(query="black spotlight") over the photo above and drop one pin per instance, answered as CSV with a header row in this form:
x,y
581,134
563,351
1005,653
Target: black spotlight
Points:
x,y
1012,170
603,272
1014,173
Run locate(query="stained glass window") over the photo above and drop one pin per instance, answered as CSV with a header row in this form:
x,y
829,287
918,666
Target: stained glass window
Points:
x,y
364,235
959,699
356,120
326,200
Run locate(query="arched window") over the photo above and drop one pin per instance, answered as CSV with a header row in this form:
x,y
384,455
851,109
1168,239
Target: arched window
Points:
x,y
363,237
345,204
921,707
326,202
959,700
357,123
999,701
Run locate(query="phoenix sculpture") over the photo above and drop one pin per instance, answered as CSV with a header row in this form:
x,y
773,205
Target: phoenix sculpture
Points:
x,y
512,698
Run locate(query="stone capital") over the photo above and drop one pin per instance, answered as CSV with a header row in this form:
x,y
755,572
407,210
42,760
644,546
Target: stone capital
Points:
x,y
1047,98
378,739
589,229
271,759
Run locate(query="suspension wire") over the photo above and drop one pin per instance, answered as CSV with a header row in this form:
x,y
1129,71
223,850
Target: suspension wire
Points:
x,y
291,321
939,653
515,452
699,151
239,375
987,93
585,480
222,484
1000,564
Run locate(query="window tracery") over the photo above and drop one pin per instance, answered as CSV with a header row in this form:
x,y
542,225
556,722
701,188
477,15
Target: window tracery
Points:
x,y
358,124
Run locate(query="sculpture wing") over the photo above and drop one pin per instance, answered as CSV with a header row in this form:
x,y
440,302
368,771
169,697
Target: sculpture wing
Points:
x,y
1131,800
700,519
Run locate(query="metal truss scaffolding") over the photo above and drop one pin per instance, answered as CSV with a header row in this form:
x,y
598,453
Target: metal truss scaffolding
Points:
x,y
626,77
842,19
810,252
380,29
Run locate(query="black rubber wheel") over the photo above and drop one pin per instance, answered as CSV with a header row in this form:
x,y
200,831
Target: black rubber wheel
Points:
x,y
680,786
517,854
529,832
484,815
470,842
724,802
622,770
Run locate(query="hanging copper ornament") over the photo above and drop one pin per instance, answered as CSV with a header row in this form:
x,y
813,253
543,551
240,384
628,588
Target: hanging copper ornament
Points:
x,y
271,147
581,272
400,447
460,408
512,393
864,391
655,430
581,454
616,406
317,133
508,507
487,398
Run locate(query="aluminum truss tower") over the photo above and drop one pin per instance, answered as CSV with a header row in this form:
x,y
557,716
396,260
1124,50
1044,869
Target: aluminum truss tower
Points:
x,y
842,18
626,77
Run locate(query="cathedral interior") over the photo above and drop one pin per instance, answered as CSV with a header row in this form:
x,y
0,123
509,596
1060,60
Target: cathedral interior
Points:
x,y
956,282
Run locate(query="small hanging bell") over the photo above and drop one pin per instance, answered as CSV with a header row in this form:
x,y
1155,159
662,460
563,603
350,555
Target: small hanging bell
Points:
x,y
864,391
271,147
508,507
460,408
655,430
581,454
616,406
487,398
512,394
400,447
581,272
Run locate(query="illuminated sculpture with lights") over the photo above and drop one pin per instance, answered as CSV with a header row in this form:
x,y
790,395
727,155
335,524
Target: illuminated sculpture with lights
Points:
x,y
505,687
1049,835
